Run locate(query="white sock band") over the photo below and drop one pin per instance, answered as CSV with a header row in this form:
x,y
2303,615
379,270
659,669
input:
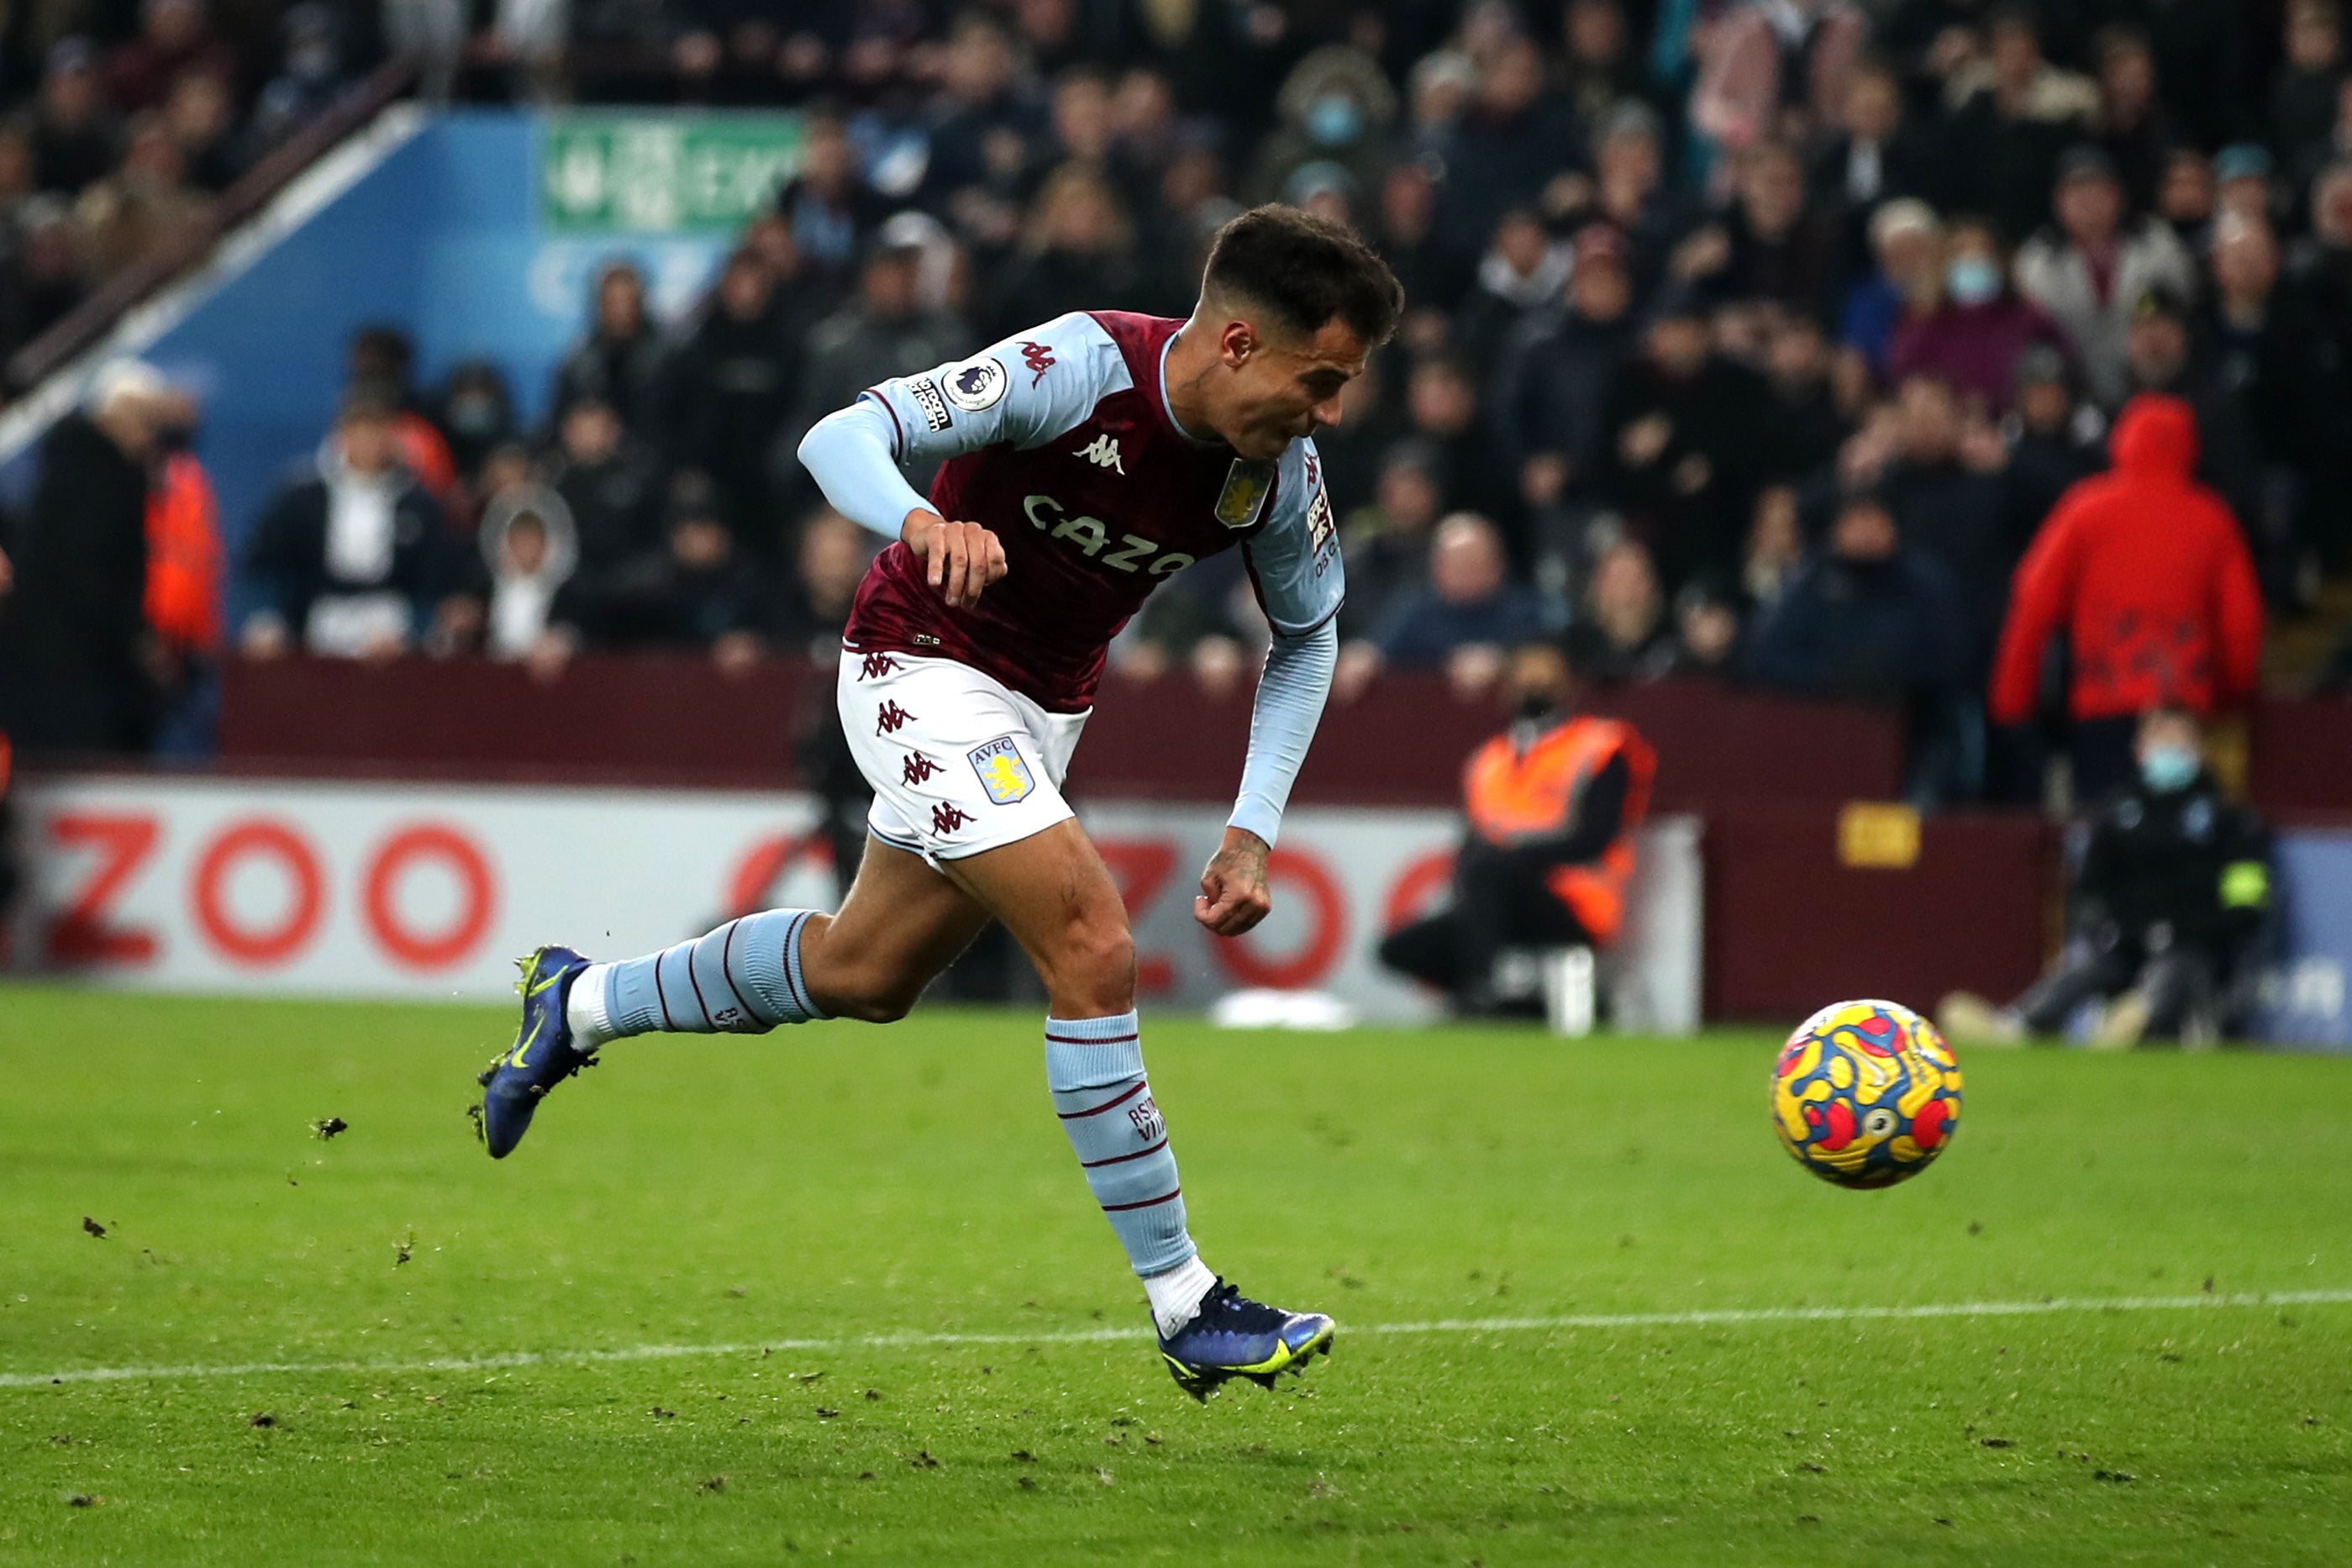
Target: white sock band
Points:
x,y
1176,1295
588,1009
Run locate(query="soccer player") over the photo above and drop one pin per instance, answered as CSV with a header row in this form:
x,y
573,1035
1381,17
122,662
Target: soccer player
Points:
x,y
1084,462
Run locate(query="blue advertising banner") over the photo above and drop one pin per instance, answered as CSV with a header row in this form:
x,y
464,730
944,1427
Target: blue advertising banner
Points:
x,y
2305,1001
457,237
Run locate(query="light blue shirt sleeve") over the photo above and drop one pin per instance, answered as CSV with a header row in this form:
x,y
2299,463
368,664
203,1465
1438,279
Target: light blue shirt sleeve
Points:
x,y
1295,563
1023,391
1291,692
1294,560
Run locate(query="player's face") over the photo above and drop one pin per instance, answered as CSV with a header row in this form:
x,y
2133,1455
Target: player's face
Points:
x,y
1285,385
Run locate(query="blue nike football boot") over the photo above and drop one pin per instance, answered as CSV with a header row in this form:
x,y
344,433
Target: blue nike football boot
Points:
x,y
542,1055
1233,1336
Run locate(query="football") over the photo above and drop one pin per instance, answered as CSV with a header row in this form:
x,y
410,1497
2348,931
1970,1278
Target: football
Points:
x,y
1865,1094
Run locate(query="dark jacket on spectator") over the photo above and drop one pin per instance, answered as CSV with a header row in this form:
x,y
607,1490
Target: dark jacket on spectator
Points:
x,y
287,558
735,381
1863,628
1689,502
2158,859
2041,470
1954,515
630,374
853,348
1974,347
614,505
1423,630
72,631
1553,387
658,601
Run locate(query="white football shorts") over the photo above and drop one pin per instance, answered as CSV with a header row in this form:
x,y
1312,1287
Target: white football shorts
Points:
x,y
959,762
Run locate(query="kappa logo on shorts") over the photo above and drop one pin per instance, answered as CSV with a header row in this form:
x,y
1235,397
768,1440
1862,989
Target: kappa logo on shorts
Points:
x,y
916,768
1003,773
976,384
889,718
877,664
946,817
928,399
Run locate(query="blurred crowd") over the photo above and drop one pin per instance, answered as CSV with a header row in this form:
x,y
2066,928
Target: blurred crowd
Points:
x,y
1747,340
120,120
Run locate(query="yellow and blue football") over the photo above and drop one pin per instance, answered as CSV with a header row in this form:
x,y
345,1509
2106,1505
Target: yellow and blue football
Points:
x,y
1865,1094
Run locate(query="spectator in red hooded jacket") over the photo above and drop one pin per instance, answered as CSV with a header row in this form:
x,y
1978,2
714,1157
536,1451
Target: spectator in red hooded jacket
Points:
x,y
2148,574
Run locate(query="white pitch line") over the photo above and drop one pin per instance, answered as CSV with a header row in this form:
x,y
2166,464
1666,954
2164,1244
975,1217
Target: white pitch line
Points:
x,y
1727,1317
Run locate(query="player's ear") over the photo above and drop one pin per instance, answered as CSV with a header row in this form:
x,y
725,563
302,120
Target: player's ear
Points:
x,y
1236,344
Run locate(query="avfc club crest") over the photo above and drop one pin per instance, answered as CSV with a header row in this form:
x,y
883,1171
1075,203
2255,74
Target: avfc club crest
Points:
x,y
976,384
1247,485
1001,771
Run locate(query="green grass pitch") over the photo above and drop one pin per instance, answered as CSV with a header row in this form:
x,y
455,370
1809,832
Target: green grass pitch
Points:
x,y
451,1361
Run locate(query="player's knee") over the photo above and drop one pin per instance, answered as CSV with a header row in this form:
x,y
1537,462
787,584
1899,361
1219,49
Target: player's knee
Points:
x,y
1092,962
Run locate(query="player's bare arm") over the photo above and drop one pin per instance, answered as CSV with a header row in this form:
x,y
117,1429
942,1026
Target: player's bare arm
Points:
x,y
959,559
1233,896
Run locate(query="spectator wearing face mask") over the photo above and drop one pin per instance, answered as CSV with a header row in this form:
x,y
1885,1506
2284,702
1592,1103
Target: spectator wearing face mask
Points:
x,y
1552,807
475,415
2173,890
1978,328
1336,106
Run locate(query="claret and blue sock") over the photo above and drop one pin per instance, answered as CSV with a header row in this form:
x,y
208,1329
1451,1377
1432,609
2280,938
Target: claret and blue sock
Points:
x,y
743,979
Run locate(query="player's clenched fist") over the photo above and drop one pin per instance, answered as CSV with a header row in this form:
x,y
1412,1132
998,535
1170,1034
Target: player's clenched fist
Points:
x,y
959,558
1233,896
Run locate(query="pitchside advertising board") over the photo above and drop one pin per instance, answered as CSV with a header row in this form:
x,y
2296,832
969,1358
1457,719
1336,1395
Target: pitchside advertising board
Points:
x,y
2303,1000
430,891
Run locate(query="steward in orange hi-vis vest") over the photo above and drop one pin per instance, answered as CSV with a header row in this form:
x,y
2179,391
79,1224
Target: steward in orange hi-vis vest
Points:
x,y
1533,795
1552,805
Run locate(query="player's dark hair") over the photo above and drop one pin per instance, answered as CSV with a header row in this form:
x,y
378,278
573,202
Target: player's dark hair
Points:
x,y
1308,270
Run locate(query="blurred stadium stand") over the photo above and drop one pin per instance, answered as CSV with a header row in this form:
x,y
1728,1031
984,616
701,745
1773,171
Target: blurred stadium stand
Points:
x,y
235,196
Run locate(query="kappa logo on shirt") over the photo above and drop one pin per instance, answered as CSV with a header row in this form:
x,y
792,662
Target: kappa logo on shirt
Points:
x,y
928,398
1103,453
1039,359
